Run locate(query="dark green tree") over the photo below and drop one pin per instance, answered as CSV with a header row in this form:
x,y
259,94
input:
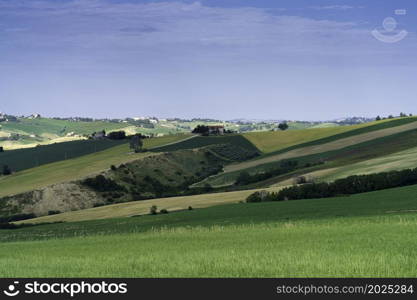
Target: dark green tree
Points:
x,y
283,126
6,170
136,143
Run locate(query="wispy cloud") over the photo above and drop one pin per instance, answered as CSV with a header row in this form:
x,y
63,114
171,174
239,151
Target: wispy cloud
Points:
x,y
334,7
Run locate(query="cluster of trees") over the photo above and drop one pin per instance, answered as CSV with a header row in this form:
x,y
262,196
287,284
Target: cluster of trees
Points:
x,y
285,166
201,129
136,143
116,135
402,115
102,184
283,126
347,186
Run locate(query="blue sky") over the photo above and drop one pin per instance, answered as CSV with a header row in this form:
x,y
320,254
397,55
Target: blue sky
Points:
x,y
264,59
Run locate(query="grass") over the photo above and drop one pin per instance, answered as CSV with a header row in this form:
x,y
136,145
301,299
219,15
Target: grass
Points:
x,y
22,159
201,141
72,169
367,235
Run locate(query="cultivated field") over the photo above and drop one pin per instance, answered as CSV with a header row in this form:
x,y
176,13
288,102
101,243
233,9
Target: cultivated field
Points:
x,y
274,141
79,167
398,161
326,147
337,237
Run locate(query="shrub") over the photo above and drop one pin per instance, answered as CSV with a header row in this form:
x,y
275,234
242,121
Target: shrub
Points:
x,y
163,211
190,208
6,170
53,212
102,184
18,217
260,196
153,210
113,168
117,135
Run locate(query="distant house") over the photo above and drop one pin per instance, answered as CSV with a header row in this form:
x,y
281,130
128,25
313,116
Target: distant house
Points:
x,y
98,135
215,129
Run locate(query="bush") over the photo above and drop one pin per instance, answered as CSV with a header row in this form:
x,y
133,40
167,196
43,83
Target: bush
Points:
x,y
260,196
53,212
6,170
190,208
18,217
117,135
153,210
102,184
163,211
113,168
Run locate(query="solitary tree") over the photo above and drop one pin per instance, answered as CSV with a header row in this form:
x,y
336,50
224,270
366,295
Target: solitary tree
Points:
x,y
283,126
136,143
378,118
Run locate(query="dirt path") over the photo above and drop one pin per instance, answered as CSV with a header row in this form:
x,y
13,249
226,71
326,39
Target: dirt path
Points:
x,y
335,145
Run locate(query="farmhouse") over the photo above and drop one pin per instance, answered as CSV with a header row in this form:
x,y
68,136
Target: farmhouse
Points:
x,y
216,129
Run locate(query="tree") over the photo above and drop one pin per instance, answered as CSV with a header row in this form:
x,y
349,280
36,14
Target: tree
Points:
x,y
283,126
136,143
117,135
201,129
6,170
153,210
378,118
243,178
1,149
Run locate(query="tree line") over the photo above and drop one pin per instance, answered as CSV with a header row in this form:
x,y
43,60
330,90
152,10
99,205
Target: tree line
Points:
x,y
346,186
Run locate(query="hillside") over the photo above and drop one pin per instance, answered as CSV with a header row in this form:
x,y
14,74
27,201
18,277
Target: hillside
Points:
x,y
326,146
236,240
70,169
277,141
27,132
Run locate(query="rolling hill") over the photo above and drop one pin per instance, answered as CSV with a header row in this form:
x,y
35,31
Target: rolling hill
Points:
x,y
70,169
237,240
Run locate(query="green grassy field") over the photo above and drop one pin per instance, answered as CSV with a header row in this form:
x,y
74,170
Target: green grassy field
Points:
x,y
277,142
367,235
201,141
27,158
71,169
